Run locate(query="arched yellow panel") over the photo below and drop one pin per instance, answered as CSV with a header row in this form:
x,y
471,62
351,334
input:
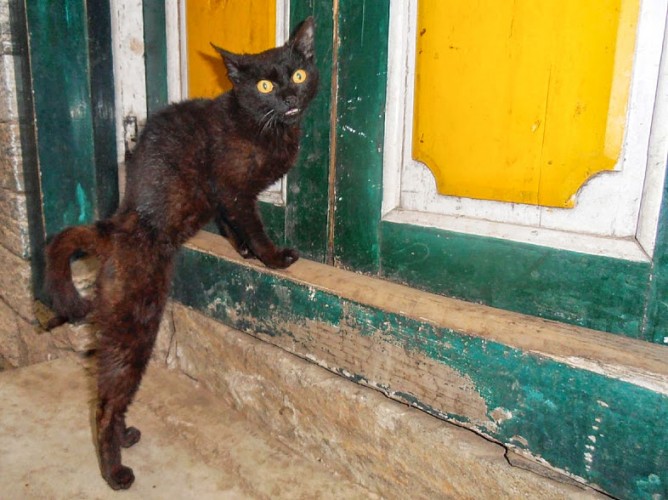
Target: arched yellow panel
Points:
x,y
521,100
236,25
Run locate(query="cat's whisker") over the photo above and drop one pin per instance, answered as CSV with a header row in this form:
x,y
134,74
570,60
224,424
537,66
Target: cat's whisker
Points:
x,y
269,118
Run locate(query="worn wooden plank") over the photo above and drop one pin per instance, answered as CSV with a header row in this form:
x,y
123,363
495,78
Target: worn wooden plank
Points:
x,y
103,106
29,154
657,304
596,292
362,71
62,100
307,193
155,55
574,397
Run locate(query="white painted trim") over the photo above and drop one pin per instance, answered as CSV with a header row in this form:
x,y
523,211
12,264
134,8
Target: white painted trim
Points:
x,y
127,35
173,28
657,157
608,205
398,112
183,50
282,21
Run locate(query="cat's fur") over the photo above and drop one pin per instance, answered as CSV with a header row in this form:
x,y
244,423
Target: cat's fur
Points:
x,y
195,161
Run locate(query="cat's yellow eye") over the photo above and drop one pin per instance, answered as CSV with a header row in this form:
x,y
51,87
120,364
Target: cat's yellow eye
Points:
x,y
265,86
299,76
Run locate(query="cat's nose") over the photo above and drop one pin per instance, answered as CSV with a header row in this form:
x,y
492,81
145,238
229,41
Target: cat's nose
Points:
x,y
290,101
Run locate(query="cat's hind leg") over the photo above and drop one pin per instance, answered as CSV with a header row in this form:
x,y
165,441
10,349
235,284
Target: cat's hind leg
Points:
x,y
127,436
121,365
132,289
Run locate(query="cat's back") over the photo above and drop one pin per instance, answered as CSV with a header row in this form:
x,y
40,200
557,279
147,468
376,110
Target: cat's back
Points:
x,y
181,119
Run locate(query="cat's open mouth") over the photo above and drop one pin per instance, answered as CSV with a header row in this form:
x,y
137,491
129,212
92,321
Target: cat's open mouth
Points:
x,y
292,112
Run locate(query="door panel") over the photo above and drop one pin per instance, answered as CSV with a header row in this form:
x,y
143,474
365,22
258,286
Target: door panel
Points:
x,y
539,103
241,26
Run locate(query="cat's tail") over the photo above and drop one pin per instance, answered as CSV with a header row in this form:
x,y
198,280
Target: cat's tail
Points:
x,y
66,301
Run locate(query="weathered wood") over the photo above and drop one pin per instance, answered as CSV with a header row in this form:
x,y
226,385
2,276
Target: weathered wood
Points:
x,y
362,69
576,398
62,100
101,75
155,55
586,290
307,192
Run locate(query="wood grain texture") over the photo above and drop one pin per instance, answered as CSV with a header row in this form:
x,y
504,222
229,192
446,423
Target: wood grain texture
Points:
x,y
307,194
362,70
539,387
586,290
58,33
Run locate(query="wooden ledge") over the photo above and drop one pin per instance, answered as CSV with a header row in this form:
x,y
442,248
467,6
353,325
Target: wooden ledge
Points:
x,y
635,361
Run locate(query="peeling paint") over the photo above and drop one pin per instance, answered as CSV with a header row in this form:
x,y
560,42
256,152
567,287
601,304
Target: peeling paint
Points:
x,y
654,382
546,406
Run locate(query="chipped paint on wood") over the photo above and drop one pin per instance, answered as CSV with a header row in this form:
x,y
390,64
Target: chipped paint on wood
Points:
x,y
592,291
306,213
362,68
62,100
71,71
544,407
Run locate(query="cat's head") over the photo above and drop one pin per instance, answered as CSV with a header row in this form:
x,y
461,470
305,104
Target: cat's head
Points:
x,y
275,87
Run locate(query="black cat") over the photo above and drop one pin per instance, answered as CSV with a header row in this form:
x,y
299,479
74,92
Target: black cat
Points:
x,y
195,161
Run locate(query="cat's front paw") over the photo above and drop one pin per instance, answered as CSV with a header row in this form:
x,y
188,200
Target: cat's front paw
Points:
x,y
244,251
282,258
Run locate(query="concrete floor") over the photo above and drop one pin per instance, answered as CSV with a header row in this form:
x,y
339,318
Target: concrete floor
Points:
x,y
191,445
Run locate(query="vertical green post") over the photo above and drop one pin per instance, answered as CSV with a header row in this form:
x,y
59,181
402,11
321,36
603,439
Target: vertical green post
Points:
x,y
656,322
155,49
58,35
307,204
360,128
102,106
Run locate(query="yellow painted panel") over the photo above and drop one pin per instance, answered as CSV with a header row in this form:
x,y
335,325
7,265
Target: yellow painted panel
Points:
x,y
521,100
236,25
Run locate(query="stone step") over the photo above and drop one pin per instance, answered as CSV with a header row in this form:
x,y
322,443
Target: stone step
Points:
x,y
191,447
260,423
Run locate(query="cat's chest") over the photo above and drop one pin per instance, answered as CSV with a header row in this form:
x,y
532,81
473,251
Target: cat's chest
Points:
x,y
270,153
256,162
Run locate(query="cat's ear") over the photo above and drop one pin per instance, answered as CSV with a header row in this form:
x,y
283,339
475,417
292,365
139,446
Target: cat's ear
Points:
x,y
232,63
303,39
